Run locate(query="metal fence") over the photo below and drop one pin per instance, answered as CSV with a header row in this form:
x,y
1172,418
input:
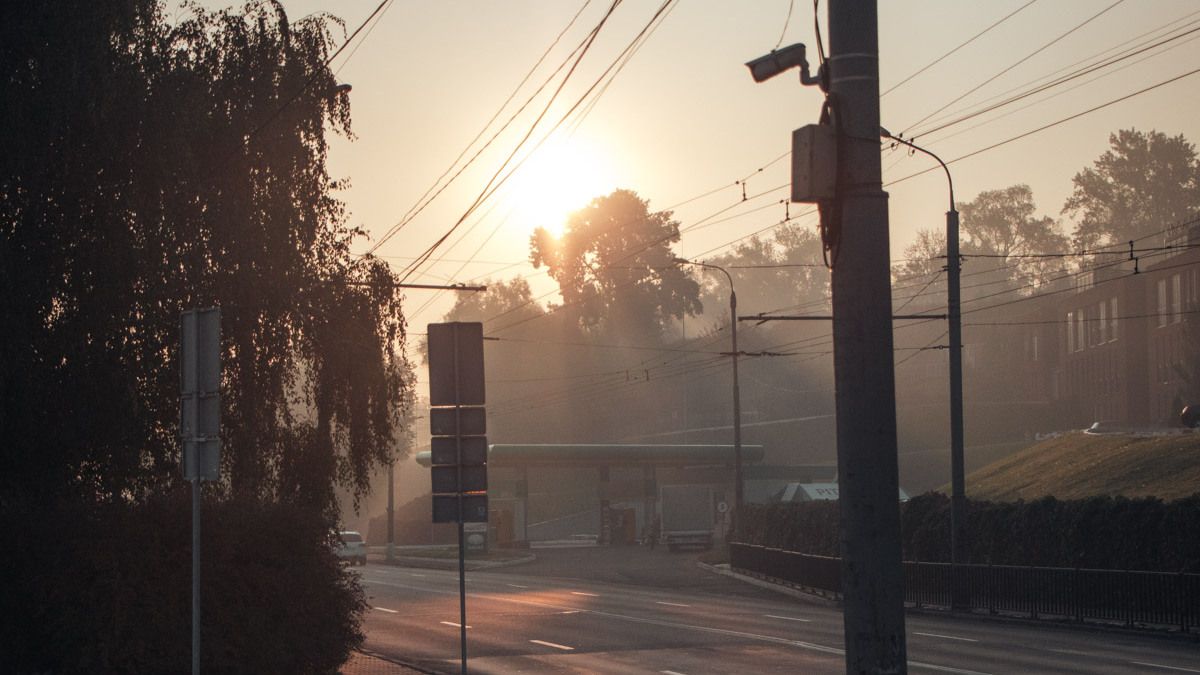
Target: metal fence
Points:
x,y
1112,596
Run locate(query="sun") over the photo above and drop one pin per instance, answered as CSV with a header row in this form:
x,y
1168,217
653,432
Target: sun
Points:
x,y
557,179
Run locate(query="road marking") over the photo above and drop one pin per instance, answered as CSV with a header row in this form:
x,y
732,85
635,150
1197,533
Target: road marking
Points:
x,y
948,637
389,611
810,646
451,623
570,611
1159,665
551,644
414,574
787,618
590,595
518,586
671,604
669,672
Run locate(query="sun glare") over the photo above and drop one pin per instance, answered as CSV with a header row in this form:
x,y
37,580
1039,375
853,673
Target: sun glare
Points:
x,y
558,179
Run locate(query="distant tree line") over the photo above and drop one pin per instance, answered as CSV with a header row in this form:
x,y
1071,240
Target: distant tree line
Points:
x,y
1098,533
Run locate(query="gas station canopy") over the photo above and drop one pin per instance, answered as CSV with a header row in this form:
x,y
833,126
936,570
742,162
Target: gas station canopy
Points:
x,y
583,455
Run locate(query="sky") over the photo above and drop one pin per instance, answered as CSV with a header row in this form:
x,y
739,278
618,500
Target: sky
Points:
x,y
682,122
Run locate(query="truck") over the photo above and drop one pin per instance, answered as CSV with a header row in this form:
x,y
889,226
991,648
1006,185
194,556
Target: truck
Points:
x,y
687,516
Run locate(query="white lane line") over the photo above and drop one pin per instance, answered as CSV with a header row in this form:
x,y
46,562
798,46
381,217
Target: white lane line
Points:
x,y
1159,665
590,595
517,586
787,618
570,611
551,644
451,623
809,646
414,574
671,604
389,611
947,637
669,672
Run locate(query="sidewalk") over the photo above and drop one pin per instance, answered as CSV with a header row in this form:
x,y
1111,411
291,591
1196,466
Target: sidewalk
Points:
x,y
361,663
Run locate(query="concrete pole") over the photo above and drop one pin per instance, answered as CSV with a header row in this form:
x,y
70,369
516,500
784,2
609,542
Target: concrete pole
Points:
x,y
737,419
391,512
872,575
958,497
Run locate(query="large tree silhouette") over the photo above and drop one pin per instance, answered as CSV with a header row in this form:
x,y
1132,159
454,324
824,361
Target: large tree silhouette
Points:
x,y
615,267
1146,184
151,166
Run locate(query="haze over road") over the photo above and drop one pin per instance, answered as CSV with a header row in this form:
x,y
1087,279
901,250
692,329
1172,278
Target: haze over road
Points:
x,y
639,611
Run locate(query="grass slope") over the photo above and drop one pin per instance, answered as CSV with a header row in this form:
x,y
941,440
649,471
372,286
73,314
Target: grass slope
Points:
x,y
1080,465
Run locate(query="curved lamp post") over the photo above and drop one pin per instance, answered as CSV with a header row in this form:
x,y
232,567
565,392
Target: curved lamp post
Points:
x,y
737,397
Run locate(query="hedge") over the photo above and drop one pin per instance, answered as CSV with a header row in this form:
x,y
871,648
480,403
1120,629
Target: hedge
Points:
x,y
1098,533
107,588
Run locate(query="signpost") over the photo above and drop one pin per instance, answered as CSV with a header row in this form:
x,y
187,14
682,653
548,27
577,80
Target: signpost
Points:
x,y
199,426
458,449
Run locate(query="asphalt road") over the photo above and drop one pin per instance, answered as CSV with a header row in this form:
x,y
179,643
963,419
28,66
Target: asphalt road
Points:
x,y
636,611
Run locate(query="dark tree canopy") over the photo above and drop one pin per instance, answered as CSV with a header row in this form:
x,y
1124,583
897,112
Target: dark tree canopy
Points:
x,y
151,166
615,267
1003,224
1146,184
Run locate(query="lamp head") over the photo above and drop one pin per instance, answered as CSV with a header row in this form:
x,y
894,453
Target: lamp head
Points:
x,y
765,67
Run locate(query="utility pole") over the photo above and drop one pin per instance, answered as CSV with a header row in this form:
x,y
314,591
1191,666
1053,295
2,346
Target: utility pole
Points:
x,y
959,589
737,395
868,475
391,512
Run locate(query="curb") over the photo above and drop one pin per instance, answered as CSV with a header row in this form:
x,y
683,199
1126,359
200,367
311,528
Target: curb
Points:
x,y
798,592
452,563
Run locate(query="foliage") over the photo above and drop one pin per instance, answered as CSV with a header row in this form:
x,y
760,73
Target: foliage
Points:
x,y
152,166
1145,183
275,599
1002,224
1098,532
784,271
615,267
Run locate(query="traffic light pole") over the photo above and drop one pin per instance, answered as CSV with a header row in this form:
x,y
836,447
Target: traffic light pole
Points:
x,y
872,575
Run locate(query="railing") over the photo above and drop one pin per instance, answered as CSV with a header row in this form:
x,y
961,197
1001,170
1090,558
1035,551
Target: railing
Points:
x,y
1113,596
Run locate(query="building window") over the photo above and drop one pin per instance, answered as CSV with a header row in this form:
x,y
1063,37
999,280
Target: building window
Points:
x,y
1112,318
1162,302
1102,320
1176,298
1080,334
1034,345
1070,331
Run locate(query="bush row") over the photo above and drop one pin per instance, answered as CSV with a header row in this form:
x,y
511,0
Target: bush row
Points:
x,y
107,588
1099,532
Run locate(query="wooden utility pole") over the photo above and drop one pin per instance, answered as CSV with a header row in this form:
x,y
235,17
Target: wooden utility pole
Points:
x,y
872,575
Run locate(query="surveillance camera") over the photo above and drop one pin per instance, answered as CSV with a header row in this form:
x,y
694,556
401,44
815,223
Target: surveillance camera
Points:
x,y
765,67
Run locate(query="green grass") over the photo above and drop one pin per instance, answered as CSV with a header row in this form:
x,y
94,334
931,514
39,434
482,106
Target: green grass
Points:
x,y
1080,465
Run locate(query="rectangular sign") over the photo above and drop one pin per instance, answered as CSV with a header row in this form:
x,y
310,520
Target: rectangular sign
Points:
x,y
445,508
454,479
456,363
444,450
465,422
200,393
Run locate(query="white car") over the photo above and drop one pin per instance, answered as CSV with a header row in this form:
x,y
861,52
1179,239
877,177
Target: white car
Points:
x,y
352,547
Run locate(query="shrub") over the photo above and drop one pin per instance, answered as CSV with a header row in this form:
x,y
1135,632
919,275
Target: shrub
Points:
x,y
107,588
1098,532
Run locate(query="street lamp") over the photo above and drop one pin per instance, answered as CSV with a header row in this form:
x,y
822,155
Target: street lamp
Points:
x,y
958,499
737,396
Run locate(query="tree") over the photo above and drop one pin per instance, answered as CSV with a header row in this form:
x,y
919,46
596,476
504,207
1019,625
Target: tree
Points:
x,y
150,165
503,301
1001,228
783,271
1145,184
615,267
150,168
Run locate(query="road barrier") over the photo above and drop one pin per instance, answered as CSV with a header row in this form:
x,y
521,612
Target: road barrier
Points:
x,y
1110,596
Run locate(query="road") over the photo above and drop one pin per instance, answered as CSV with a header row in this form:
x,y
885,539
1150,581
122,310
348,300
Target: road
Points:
x,y
636,611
